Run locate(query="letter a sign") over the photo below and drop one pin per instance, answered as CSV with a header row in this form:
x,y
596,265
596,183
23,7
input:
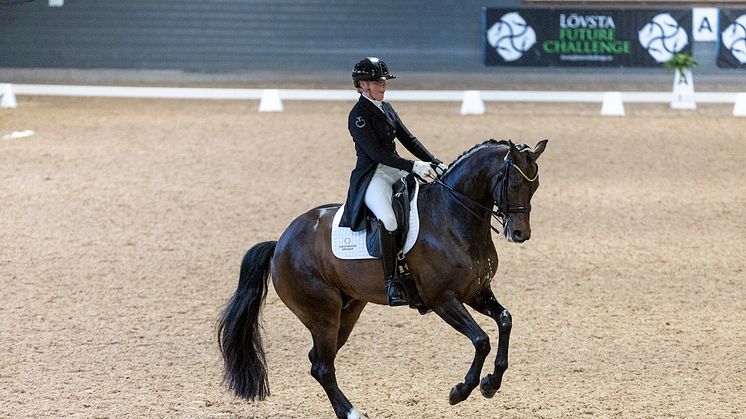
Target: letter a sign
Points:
x,y
705,23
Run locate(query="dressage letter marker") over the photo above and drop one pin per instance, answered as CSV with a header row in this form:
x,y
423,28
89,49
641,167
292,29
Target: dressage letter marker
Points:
x,y
683,90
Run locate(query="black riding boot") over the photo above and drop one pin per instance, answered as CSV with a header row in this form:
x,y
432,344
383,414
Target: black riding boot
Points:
x,y
389,252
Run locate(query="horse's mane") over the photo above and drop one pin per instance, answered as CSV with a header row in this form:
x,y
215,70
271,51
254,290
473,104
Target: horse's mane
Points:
x,y
489,143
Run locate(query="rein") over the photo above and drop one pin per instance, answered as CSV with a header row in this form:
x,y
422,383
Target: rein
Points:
x,y
502,207
460,197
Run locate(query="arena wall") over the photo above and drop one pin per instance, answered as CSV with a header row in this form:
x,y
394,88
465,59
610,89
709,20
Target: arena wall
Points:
x,y
257,35
237,35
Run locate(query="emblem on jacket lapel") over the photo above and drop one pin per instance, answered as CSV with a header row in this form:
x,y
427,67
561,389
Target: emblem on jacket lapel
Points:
x,y
359,122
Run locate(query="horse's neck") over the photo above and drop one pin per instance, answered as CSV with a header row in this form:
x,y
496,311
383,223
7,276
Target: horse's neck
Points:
x,y
473,180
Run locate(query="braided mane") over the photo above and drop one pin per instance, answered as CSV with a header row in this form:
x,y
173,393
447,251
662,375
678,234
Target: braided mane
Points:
x,y
489,143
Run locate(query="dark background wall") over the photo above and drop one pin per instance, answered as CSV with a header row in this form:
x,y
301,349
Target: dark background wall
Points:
x,y
239,35
290,36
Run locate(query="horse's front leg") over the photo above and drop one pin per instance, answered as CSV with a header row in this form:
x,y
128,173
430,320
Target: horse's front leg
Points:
x,y
455,314
488,305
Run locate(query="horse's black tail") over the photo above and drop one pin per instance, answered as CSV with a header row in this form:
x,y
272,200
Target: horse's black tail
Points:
x,y
238,327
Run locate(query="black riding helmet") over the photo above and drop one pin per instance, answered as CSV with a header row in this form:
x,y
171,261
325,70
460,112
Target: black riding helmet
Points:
x,y
370,68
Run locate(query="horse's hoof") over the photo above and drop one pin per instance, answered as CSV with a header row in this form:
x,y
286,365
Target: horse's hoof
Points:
x,y
355,414
458,394
485,387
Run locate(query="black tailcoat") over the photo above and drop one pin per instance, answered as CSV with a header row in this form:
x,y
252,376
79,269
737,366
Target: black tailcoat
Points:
x,y
373,132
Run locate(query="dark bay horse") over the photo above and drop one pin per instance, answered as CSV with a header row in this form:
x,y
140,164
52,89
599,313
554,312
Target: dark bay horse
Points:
x,y
452,262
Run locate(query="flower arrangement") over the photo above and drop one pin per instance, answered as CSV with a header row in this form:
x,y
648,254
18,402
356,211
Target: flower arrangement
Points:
x,y
681,61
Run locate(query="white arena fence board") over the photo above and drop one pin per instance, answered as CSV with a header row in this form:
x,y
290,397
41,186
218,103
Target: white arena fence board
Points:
x,y
540,96
137,92
351,95
658,97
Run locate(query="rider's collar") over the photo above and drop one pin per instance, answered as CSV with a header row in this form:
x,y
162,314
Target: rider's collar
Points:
x,y
378,103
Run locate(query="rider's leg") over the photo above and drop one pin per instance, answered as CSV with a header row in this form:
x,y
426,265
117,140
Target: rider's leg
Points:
x,y
378,201
389,253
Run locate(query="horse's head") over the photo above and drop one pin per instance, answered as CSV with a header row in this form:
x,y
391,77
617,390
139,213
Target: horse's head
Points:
x,y
515,185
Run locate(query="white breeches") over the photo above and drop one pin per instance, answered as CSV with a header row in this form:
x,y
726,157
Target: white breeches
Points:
x,y
378,194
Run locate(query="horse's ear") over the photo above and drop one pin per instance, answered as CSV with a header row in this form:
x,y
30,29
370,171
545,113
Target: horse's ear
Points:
x,y
539,148
513,152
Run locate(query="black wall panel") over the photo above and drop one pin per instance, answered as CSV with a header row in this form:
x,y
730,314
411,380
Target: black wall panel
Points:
x,y
241,35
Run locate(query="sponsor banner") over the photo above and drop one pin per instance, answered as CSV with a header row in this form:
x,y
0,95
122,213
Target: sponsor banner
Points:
x,y
732,50
590,37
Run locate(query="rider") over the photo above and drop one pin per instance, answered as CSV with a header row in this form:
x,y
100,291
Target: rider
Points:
x,y
373,125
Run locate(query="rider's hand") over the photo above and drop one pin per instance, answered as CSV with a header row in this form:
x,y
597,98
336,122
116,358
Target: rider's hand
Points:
x,y
440,168
423,170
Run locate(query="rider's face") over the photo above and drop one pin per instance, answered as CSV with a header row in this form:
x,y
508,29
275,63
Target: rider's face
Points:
x,y
374,89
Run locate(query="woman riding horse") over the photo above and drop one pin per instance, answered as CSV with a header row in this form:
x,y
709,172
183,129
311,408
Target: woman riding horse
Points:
x,y
373,125
452,262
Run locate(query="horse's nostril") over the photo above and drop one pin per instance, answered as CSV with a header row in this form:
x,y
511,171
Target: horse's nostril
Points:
x,y
517,235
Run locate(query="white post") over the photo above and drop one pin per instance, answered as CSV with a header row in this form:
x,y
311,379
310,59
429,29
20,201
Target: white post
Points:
x,y
472,103
612,104
683,90
739,109
7,97
270,101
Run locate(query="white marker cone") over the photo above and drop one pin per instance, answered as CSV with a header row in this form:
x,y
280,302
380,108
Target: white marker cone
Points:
x,y
270,101
472,103
612,104
7,97
739,109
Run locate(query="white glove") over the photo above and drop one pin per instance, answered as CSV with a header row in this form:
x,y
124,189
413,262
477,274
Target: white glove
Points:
x,y
440,168
423,169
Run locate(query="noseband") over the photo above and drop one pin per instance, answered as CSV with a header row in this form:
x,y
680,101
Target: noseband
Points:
x,y
503,208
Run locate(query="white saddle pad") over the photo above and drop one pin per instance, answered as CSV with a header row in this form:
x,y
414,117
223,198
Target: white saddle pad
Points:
x,y
348,244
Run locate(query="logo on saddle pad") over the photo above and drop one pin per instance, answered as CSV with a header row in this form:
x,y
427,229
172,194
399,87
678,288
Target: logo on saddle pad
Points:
x,y
348,244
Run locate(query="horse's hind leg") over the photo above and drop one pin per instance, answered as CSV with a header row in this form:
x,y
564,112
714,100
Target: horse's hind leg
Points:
x,y
488,305
348,318
350,314
322,369
455,314
324,319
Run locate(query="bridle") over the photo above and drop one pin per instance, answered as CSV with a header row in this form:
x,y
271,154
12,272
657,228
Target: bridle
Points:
x,y
503,208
